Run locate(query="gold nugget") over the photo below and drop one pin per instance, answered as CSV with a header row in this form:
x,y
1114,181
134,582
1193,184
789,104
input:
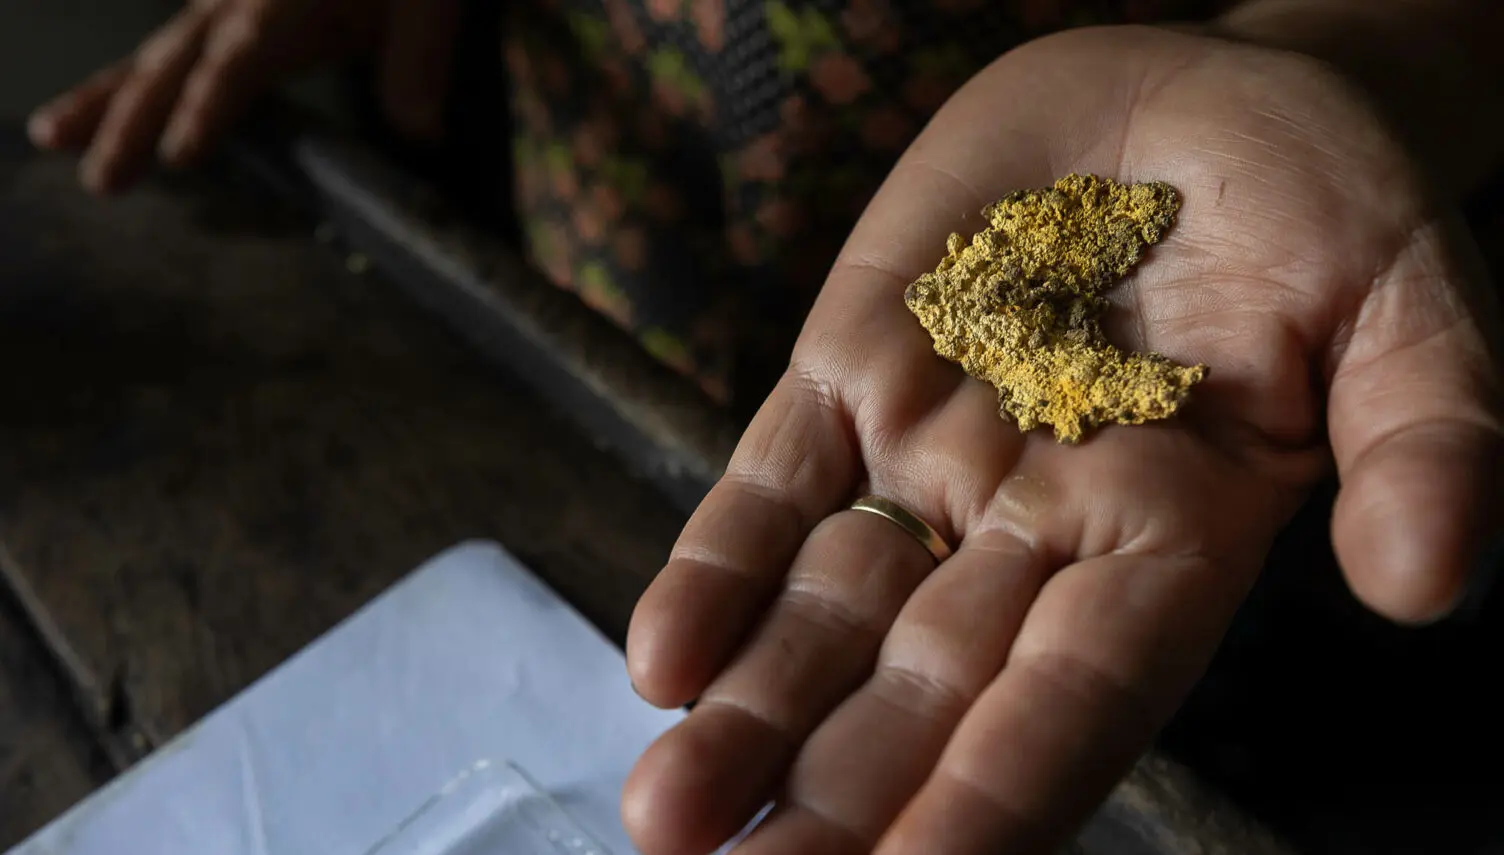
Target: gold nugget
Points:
x,y
1021,305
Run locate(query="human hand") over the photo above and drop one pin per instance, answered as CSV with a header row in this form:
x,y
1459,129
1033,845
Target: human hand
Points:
x,y
191,79
987,705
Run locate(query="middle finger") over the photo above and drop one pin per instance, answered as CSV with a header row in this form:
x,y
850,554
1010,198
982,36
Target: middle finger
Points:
x,y
817,644
872,754
128,133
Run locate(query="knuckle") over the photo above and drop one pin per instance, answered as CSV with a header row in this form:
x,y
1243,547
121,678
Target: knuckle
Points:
x,y
921,695
807,381
829,613
1084,685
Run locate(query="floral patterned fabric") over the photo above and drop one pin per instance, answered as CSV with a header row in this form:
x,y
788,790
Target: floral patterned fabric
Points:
x,y
689,168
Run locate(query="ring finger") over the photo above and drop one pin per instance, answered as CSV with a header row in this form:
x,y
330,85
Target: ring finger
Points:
x,y
817,644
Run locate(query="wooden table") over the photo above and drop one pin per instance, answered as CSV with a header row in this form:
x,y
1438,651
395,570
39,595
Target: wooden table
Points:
x,y
47,761
217,441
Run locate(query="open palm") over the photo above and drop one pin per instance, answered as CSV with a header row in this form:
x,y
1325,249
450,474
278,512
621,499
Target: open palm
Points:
x,y
986,705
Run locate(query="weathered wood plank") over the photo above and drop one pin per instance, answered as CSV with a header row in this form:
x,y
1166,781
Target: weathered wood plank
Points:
x,y
47,761
218,442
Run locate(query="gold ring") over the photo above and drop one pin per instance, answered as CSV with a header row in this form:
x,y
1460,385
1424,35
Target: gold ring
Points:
x,y
908,521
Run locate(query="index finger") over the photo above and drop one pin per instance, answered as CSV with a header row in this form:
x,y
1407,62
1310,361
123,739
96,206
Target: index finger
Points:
x,y
794,466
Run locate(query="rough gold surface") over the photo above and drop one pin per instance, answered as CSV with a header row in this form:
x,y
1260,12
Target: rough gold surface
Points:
x,y
1020,305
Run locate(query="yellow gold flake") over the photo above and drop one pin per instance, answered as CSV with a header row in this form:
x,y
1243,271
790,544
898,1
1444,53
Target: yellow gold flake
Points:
x,y
1020,306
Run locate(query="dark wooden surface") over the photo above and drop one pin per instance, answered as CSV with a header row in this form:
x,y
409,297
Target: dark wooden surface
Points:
x,y
467,273
47,761
216,442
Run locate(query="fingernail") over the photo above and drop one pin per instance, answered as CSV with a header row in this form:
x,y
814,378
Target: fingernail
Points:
x,y
94,176
174,144
88,171
41,129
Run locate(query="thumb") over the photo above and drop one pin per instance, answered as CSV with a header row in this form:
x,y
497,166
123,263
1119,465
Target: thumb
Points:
x,y
1415,425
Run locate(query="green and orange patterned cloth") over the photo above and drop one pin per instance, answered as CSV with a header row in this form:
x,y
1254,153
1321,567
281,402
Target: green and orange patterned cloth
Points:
x,y
689,168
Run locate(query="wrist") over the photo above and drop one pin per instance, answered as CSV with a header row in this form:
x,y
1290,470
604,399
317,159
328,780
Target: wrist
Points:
x,y
1433,68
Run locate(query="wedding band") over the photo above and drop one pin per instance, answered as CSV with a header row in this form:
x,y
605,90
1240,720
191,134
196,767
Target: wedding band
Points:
x,y
908,521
